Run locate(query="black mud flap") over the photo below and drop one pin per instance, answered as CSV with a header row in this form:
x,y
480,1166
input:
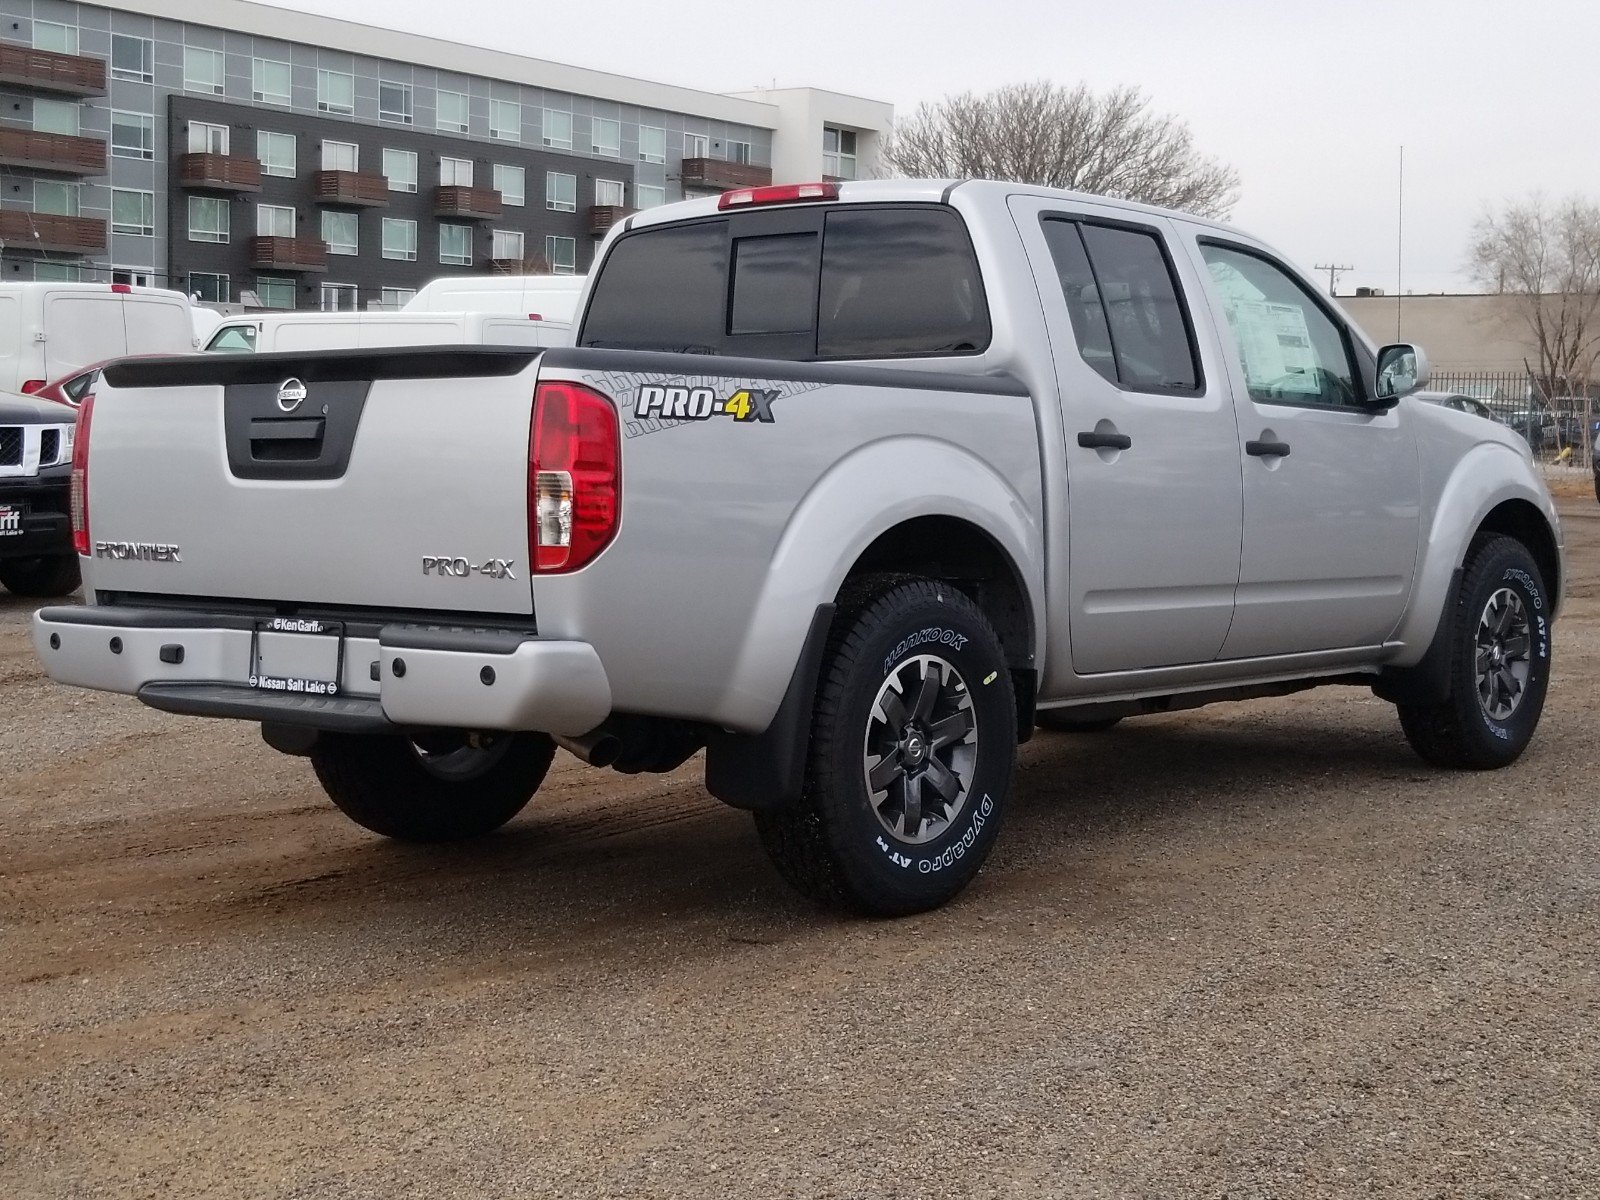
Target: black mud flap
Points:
x,y
1428,682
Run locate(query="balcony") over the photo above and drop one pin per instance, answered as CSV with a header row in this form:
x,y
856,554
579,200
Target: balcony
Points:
x,y
49,233
603,216
351,189
723,176
63,152
289,254
219,173
477,204
46,71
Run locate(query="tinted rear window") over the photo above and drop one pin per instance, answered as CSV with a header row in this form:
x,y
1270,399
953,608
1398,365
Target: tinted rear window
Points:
x,y
891,282
665,289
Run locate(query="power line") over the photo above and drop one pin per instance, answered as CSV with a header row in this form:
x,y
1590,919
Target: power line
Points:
x,y
1334,270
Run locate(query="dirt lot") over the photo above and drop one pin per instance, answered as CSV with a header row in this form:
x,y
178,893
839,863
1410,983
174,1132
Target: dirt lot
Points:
x,y
1250,952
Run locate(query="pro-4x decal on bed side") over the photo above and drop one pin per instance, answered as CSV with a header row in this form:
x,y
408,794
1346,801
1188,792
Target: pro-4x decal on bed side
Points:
x,y
680,403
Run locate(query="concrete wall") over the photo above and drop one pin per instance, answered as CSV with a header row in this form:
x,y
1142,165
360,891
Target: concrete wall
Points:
x,y
1460,333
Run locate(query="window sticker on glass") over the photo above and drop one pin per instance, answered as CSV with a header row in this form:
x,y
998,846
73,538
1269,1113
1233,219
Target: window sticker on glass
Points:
x,y
1274,339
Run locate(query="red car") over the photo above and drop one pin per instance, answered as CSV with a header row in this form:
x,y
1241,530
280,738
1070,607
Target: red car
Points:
x,y
70,389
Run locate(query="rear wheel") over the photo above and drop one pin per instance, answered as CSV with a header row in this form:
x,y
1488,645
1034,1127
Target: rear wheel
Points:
x,y
56,575
1597,485
1498,631
913,744
442,787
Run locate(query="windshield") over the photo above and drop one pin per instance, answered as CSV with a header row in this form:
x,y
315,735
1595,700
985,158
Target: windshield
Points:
x,y
234,339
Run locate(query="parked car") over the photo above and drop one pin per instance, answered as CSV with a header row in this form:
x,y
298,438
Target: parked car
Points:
x,y
550,297
36,552
73,388
1458,402
851,485
48,330
301,331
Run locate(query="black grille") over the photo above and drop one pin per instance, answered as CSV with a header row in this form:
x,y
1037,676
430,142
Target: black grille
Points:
x,y
10,445
49,447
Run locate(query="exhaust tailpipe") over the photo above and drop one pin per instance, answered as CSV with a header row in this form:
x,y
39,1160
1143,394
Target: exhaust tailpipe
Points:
x,y
597,748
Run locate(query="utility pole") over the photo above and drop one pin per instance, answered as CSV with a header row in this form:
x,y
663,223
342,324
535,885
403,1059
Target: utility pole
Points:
x,y
1334,270
1399,242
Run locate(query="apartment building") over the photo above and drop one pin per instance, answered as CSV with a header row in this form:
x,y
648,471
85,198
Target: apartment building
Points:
x,y
243,152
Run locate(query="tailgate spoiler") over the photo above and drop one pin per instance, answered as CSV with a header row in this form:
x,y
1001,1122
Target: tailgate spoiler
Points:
x,y
322,366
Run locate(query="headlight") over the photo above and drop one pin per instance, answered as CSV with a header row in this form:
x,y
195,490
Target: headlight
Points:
x,y
65,454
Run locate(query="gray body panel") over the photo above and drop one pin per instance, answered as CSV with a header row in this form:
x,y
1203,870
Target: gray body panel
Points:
x,y
1181,564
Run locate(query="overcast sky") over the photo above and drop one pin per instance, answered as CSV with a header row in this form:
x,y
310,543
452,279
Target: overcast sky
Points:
x,y
1310,102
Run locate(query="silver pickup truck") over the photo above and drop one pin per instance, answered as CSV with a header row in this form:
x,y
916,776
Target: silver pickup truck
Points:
x,y
851,486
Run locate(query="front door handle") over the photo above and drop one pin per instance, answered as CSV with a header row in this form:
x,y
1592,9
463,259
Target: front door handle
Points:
x,y
1267,449
1104,441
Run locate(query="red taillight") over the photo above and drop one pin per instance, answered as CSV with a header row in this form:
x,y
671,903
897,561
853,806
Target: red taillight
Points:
x,y
574,476
79,495
783,193
30,386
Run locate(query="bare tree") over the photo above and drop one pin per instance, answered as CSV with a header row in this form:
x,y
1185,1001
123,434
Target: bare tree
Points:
x,y
1547,255
1044,133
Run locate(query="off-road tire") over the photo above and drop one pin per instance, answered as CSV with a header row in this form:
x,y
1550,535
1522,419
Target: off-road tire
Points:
x,y
1061,721
1461,731
1597,485
833,846
386,784
56,575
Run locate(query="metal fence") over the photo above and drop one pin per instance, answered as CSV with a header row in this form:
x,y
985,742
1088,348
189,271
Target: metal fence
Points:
x,y
1558,423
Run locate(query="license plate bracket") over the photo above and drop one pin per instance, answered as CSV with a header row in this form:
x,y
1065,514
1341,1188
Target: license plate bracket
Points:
x,y
11,518
297,656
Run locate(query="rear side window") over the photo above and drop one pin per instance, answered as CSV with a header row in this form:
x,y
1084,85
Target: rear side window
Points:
x,y
897,283
1127,313
664,289
796,283
234,339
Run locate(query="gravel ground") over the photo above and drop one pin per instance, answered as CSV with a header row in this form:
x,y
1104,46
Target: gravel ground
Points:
x,y
1251,951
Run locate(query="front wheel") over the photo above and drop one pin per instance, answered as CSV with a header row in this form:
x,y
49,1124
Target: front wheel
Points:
x,y
913,745
1497,628
56,575
441,787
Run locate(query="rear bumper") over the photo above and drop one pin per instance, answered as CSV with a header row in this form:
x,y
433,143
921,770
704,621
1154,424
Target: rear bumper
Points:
x,y
408,676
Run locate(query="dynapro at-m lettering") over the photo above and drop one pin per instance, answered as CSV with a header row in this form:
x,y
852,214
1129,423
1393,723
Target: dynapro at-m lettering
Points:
x,y
148,551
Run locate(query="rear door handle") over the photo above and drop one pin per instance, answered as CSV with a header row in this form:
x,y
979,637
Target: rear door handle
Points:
x,y
1104,441
1267,449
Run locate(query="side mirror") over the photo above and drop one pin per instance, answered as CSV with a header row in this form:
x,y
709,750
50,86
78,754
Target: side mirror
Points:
x,y
1402,369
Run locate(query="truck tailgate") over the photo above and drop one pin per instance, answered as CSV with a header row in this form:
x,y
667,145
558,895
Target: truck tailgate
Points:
x,y
343,478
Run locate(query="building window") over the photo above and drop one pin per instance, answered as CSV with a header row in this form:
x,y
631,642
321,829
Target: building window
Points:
x,y
695,145
399,239
606,137
455,245
208,219
55,116
207,285
58,199
507,245
269,80
398,297
455,172
277,153
133,58
207,139
394,102
134,276
452,111
611,192
133,212
336,92
340,156
400,169
511,183
203,70
341,230
49,272
560,191
737,152
275,291
557,129
338,297
562,253
646,196
505,120
58,39
274,220
838,152
133,135
652,144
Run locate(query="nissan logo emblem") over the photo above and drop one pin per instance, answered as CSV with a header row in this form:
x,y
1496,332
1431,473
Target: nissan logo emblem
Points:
x,y
291,394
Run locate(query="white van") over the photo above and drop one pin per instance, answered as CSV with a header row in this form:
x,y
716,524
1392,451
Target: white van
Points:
x,y
265,332
552,297
50,329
